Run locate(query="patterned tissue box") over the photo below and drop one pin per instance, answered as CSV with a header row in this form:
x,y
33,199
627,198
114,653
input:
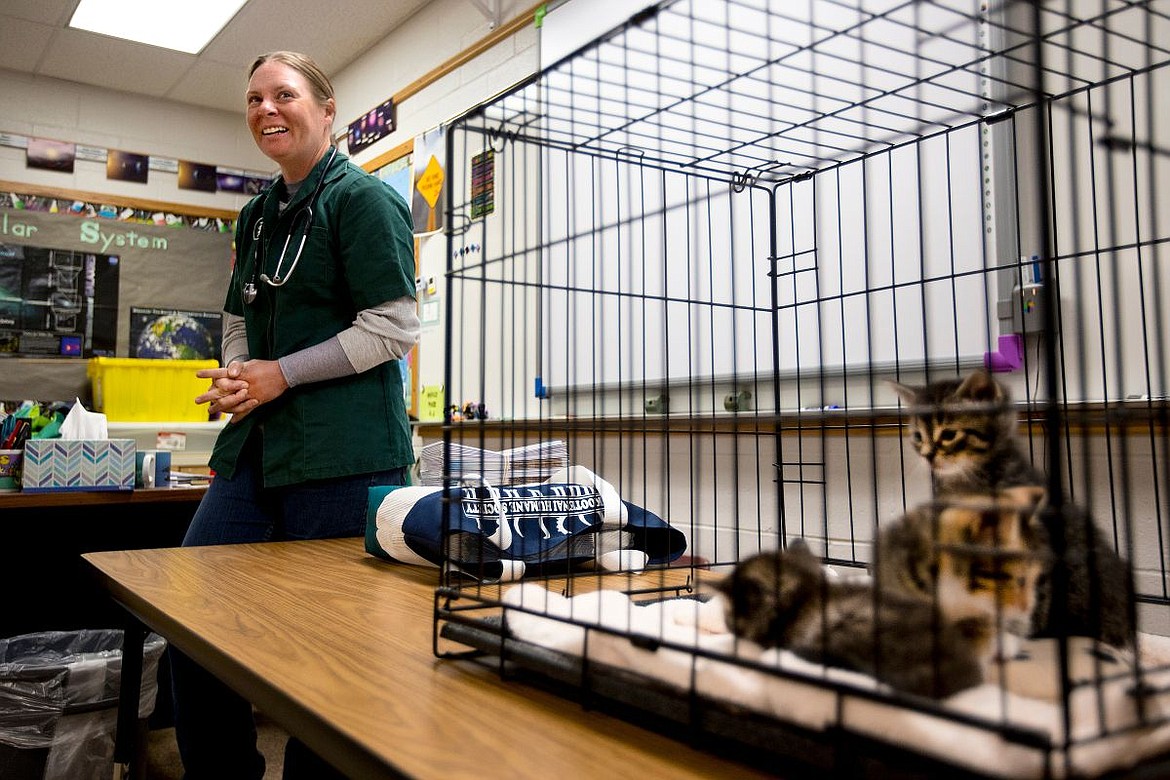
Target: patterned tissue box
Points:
x,y
80,464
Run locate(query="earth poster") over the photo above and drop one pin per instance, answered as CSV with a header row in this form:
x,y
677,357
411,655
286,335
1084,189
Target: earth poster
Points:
x,y
175,335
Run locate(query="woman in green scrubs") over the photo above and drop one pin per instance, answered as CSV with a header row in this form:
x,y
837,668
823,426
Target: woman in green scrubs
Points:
x,y
319,310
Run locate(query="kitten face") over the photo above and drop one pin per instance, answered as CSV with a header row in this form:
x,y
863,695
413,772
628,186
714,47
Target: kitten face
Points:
x,y
952,445
764,591
957,426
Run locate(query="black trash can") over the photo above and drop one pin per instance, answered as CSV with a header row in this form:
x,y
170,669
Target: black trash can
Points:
x,y
59,702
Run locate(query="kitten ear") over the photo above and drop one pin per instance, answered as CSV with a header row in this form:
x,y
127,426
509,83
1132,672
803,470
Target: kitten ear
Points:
x,y
908,394
798,551
725,586
981,386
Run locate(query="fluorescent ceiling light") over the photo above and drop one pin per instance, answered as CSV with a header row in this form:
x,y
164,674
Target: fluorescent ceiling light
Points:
x,y
182,26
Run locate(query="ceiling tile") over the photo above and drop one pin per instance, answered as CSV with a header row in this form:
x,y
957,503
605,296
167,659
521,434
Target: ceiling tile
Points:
x,y
23,42
334,34
108,62
211,84
44,11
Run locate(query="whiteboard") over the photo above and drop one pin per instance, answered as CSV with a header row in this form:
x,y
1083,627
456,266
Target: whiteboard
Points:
x,y
652,277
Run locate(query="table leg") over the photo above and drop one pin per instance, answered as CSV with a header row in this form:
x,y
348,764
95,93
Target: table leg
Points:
x,y
133,641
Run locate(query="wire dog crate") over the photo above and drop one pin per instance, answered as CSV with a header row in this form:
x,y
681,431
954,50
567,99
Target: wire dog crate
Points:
x,y
698,251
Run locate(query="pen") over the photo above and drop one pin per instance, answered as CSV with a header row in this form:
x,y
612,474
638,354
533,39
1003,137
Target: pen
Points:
x,y
16,434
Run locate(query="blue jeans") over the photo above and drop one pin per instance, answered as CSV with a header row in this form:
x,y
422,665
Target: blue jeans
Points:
x,y
213,725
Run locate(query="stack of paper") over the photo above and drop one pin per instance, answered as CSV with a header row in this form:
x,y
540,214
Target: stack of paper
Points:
x,y
516,466
536,462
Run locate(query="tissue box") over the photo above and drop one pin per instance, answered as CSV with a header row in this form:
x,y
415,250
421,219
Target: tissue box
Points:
x,y
81,464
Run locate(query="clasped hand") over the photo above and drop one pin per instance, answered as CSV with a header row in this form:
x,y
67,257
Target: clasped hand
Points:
x,y
239,388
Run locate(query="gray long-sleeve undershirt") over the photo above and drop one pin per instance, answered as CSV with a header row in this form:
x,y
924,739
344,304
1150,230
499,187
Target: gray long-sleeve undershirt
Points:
x,y
378,334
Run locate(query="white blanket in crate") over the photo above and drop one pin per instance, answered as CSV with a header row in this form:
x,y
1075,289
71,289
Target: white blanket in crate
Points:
x,y
1028,699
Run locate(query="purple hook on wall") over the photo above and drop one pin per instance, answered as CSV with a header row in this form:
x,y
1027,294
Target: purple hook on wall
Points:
x,y
1009,356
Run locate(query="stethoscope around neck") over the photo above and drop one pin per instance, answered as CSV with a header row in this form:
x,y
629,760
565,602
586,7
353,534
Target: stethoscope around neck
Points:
x,y
305,217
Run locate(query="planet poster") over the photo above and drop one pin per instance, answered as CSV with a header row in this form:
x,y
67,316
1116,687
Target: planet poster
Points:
x,y
174,334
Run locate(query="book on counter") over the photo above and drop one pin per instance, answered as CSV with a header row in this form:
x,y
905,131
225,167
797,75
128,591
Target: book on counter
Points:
x,y
183,478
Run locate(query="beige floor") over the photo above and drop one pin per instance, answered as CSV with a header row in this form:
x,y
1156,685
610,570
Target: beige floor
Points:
x,y
162,754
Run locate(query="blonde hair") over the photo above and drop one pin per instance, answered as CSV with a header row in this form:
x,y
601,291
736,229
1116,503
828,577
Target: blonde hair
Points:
x,y
303,64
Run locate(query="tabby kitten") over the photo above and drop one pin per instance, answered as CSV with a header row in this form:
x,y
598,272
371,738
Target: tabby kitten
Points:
x,y
966,431
784,599
972,555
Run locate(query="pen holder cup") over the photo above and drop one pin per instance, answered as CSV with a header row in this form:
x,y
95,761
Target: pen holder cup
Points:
x,y
10,462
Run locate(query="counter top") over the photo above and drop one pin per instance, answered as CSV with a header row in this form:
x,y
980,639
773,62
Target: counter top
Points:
x,y
21,500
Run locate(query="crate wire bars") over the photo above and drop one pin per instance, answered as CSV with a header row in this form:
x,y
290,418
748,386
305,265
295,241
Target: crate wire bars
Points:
x,y
713,234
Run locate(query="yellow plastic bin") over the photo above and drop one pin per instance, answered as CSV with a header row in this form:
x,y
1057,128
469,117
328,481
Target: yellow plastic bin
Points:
x,y
139,390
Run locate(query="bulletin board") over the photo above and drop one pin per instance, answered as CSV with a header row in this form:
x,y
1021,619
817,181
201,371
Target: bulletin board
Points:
x,y
148,256
393,168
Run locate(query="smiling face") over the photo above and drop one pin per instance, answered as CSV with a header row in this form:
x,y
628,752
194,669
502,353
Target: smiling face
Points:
x,y
290,122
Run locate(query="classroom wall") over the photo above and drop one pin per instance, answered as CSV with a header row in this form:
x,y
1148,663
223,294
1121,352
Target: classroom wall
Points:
x,y
414,49
147,259
61,110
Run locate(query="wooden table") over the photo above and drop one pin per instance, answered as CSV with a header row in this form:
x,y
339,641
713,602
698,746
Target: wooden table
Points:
x,y
336,647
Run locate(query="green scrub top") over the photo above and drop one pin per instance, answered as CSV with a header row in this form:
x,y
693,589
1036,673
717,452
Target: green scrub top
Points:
x,y
359,253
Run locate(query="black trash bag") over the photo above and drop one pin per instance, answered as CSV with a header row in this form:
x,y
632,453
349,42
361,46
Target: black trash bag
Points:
x,y
59,702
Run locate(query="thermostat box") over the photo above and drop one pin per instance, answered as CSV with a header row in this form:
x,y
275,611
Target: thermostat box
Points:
x,y
55,465
136,389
